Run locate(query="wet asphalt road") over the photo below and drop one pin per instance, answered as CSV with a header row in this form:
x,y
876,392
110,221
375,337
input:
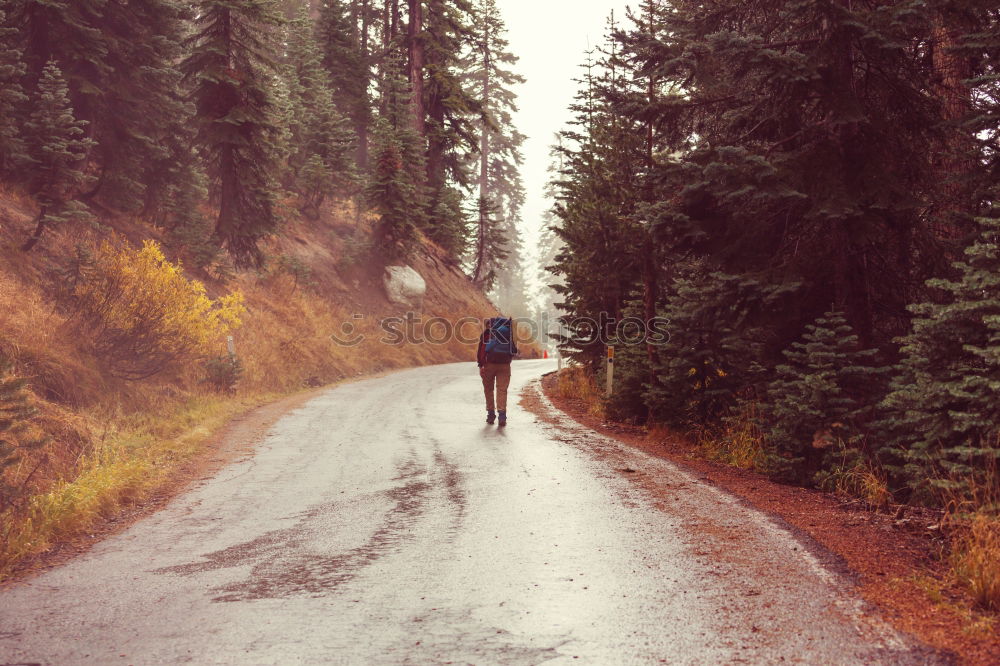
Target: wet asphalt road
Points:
x,y
384,523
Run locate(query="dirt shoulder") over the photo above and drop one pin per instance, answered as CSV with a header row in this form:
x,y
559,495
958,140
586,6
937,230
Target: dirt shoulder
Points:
x,y
891,558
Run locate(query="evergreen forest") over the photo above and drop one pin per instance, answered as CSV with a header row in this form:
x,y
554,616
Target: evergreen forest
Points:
x,y
218,122
807,193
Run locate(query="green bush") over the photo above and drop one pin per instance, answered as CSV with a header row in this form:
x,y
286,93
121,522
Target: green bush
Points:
x,y
223,372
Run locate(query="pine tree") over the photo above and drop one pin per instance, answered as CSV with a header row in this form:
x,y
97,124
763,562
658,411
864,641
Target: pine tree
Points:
x,y
942,415
824,391
57,147
120,63
718,340
321,142
491,245
12,149
346,61
490,80
600,157
141,108
391,192
229,68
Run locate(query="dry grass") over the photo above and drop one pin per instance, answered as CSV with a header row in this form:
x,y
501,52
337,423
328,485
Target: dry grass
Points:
x,y
973,522
659,433
974,621
861,479
124,466
738,442
577,383
975,559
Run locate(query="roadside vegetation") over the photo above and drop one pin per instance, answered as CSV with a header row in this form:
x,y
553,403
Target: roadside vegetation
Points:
x,y
808,194
88,429
176,175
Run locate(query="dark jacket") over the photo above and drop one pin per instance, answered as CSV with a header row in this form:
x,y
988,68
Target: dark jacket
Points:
x,y
481,352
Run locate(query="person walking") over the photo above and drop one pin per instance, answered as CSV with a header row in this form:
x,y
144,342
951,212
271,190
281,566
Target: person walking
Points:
x,y
494,356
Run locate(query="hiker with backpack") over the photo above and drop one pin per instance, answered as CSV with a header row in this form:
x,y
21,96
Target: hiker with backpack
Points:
x,y
495,353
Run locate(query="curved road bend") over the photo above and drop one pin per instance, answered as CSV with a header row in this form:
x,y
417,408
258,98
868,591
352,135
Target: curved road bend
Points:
x,y
384,523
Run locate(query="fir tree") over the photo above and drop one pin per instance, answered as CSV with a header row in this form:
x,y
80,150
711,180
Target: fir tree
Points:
x,y
396,188
449,110
190,232
595,192
510,293
348,69
57,146
449,106
12,149
718,339
490,80
321,141
491,245
141,108
823,392
944,408
229,68
784,136
119,60
68,33
391,192
450,229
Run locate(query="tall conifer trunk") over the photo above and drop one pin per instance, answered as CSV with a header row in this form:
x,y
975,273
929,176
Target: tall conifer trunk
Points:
x,y
435,111
956,159
650,286
416,51
484,163
849,285
361,122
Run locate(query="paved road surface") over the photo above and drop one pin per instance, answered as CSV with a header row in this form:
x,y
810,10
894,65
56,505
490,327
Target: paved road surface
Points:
x,y
384,523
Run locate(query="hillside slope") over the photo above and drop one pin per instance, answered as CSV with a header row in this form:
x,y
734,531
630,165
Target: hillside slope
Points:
x,y
112,441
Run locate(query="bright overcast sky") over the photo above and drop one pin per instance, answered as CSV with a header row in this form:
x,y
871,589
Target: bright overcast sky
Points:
x,y
551,37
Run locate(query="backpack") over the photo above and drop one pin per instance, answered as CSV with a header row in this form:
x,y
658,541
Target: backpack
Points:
x,y
500,348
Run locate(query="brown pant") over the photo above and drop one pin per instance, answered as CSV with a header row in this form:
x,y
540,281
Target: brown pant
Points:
x,y
500,374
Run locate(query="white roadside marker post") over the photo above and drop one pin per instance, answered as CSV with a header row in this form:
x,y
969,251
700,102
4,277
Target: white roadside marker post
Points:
x,y
611,370
558,360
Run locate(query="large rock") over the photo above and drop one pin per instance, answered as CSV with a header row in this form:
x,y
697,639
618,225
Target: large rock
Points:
x,y
404,286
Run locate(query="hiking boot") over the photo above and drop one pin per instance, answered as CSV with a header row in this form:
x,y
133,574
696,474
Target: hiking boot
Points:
x,y
503,419
491,417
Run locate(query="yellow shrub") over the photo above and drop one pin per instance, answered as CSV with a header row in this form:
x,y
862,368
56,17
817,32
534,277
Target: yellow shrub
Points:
x,y
142,314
